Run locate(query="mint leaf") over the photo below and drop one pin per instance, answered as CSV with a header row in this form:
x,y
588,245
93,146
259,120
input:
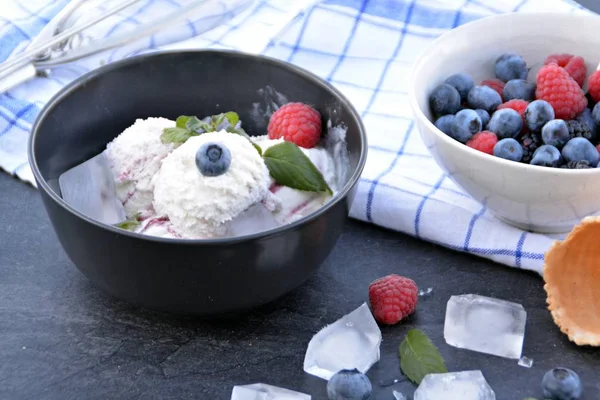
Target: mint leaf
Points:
x,y
419,357
182,121
130,224
176,135
232,117
197,126
217,121
290,167
257,147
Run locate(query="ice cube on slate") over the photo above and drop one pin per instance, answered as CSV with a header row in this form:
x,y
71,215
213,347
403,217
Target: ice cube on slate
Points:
x,y
525,362
485,325
399,396
262,391
465,385
350,342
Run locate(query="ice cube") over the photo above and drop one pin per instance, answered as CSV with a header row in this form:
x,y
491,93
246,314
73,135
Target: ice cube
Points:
x,y
465,385
425,292
262,391
485,325
350,342
255,219
399,396
525,362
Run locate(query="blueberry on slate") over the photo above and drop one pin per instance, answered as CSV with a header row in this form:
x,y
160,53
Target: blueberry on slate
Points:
x,y
519,89
444,123
484,115
444,100
537,114
505,123
349,384
511,66
462,82
578,149
484,97
596,114
213,159
509,149
466,123
546,156
586,118
561,384
555,133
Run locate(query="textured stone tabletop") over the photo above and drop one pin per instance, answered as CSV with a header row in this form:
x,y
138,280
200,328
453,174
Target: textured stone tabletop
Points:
x,y
60,338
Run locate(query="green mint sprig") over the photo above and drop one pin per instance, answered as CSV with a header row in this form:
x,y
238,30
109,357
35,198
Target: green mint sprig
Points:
x,y
286,162
419,356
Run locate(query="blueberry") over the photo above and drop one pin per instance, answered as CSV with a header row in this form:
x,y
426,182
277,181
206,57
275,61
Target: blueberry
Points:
x,y
444,100
578,149
444,124
484,97
349,384
213,159
484,115
505,123
596,114
537,114
561,384
555,133
462,82
509,149
511,66
466,124
519,89
586,118
546,156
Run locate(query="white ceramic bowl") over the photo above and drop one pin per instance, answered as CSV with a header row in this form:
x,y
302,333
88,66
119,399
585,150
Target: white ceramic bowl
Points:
x,y
540,199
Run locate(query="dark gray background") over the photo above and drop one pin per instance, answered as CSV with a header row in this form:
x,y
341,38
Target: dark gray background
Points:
x,y
60,338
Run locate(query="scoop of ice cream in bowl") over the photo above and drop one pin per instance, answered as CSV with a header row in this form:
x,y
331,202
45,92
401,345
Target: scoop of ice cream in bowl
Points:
x,y
233,175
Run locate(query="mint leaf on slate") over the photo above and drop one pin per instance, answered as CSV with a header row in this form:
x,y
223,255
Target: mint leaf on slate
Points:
x,y
176,135
290,167
419,356
181,121
130,224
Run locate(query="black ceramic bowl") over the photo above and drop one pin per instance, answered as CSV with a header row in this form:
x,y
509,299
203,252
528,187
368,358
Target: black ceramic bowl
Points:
x,y
187,276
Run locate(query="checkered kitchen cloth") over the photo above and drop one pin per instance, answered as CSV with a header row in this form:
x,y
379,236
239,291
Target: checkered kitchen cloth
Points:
x,y
365,48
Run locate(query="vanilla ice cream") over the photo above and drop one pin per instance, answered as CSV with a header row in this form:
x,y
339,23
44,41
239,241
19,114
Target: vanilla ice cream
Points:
x,y
135,157
198,206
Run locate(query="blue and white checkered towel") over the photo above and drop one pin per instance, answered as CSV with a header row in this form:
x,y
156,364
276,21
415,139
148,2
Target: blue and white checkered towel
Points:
x,y
365,48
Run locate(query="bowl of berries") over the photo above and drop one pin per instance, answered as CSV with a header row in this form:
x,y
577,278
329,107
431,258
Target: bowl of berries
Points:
x,y
507,107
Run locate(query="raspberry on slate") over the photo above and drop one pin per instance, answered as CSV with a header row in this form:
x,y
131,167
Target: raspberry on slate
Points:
x,y
296,122
392,298
594,86
557,87
575,66
495,84
483,141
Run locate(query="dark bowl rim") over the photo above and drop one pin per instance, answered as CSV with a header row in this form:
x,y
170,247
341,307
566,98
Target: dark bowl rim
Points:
x,y
82,80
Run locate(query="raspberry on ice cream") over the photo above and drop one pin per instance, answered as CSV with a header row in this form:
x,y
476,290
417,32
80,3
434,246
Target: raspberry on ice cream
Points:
x,y
135,157
296,122
198,206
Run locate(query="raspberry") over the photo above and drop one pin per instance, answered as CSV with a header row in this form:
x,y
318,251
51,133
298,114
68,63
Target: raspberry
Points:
x,y
594,86
518,105
392,298
575,66
557,87
296,122
483,141
495,84
530,142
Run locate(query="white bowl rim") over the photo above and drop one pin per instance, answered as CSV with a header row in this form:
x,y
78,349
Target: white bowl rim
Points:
x,y
454,144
